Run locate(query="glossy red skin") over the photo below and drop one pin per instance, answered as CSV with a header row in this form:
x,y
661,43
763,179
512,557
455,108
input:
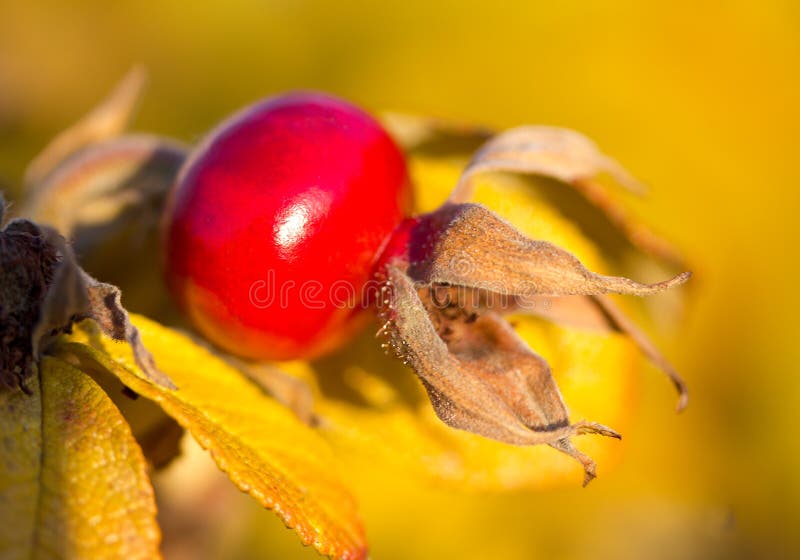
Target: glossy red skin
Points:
x,y
299,190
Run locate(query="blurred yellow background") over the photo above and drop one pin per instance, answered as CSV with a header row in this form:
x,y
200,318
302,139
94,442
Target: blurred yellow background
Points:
x,y
699,99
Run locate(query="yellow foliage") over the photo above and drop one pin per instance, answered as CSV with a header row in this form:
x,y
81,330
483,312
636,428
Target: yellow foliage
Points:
x,y
73,482
261,446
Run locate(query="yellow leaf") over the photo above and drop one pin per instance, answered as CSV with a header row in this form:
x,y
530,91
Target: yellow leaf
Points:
x,y
73,482
262,447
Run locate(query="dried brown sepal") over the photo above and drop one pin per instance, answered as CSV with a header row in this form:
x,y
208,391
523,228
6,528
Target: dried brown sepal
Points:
x,y
105,307
465,268
467,245
480,376
560,153
476,248
66,299
27,267
107,188
572,158
623,324
43,291
580,312
106,120
599,313
107,199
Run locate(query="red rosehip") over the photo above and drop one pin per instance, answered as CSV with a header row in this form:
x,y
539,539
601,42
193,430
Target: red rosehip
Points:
x,y
276,222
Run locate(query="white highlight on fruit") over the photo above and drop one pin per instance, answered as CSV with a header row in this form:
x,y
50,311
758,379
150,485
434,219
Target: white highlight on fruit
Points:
x,y
293,224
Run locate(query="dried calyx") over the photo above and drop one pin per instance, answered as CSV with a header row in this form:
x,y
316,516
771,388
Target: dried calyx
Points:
x,y
28,261
444,317
451,275
43,291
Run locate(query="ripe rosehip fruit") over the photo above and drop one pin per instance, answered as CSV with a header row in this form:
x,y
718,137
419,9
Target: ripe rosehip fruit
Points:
x,y
276,222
